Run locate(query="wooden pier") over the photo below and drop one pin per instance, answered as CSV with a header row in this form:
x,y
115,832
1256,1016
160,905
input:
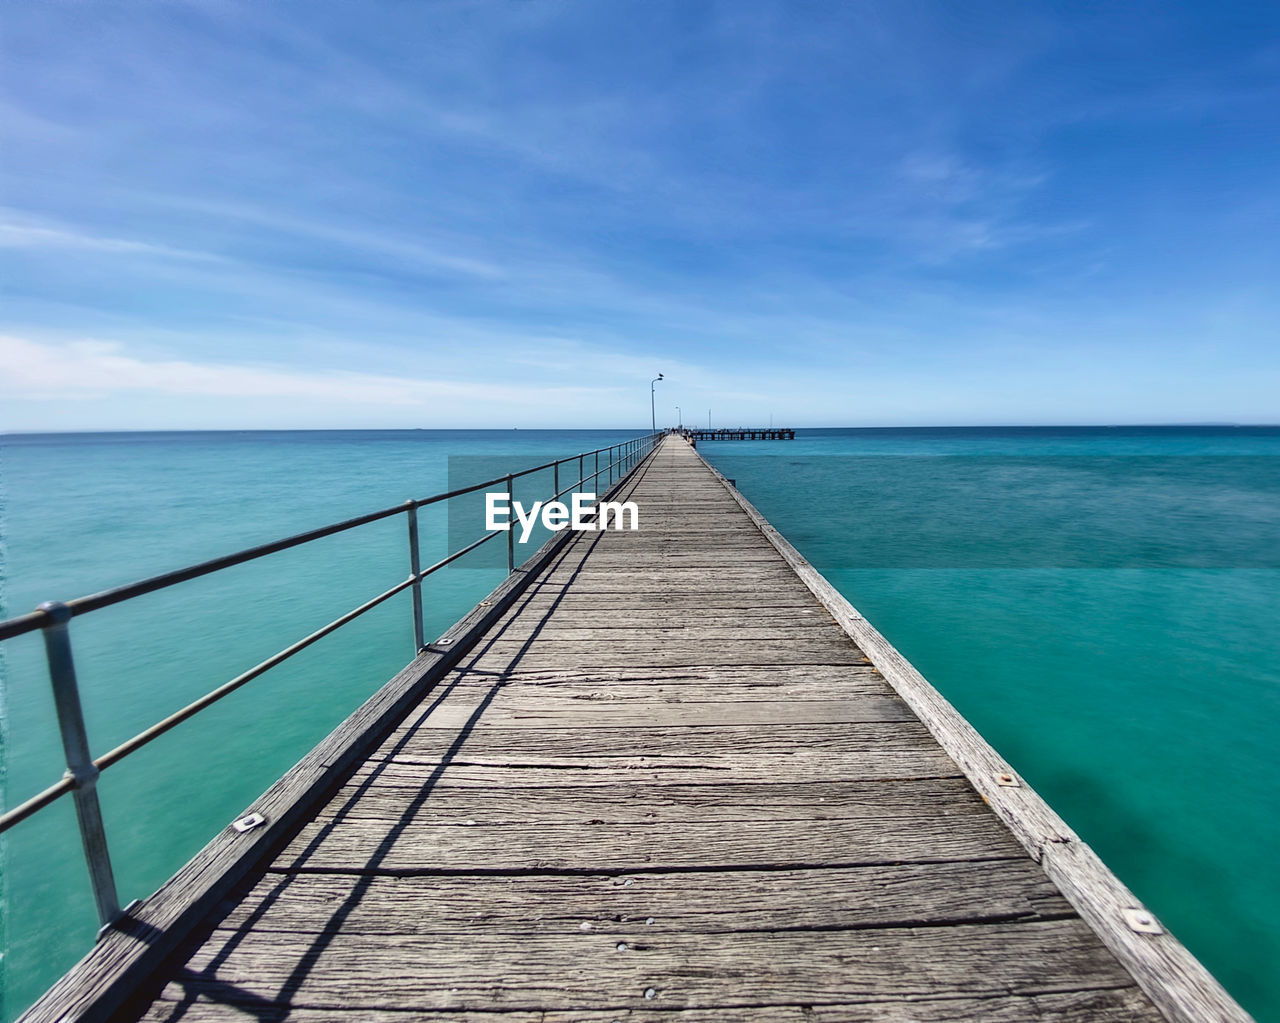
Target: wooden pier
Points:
x,y
739,433
672,776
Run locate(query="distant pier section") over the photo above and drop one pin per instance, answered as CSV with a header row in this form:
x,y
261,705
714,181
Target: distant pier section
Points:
x,y
737,433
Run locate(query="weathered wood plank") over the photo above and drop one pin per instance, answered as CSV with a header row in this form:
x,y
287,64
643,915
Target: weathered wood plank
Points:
x,y
665,569
715,646
534,770
774,632
502,710
700,902
1119,1005
742,584
749,589
676,605
585,654
951,798
531,687
561,625
743,548
557,629
854,744
407,844
899,895
840,680
655,970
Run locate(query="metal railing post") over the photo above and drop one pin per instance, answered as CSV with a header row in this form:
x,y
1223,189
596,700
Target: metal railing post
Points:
x,y
555,488
511,532
580,476
415,566
595,476
80,767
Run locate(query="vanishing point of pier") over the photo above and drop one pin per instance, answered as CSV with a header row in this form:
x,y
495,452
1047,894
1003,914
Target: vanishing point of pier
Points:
x,y
663,775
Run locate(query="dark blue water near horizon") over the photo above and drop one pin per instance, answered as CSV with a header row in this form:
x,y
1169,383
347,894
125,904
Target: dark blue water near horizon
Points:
x,y
1100,602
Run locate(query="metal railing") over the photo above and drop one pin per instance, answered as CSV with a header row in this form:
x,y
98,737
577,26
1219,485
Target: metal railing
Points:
x,y
54,617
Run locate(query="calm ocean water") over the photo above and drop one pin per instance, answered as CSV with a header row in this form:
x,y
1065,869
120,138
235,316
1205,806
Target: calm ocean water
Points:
x,y
1101,604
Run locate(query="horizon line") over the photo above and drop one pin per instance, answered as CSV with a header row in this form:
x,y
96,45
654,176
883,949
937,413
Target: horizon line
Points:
x,y
1219,425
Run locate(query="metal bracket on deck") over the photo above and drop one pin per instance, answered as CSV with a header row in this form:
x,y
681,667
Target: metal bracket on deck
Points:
x,y
248,822
1141,921
106,929
1008,781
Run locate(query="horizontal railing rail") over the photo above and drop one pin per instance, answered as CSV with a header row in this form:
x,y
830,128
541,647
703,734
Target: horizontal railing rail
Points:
x,y
53,620
38,618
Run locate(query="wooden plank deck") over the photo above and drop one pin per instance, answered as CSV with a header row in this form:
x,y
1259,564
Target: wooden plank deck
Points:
x,y
667,785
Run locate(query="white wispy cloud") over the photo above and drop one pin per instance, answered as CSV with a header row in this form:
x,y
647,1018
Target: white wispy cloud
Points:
x,y
94,369
26,234
62,384
448,251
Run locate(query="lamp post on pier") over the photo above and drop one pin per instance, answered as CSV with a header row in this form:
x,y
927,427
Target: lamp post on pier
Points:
x,y
679,417
653,415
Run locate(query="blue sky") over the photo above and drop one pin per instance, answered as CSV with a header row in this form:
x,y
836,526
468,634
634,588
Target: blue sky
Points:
x,y
516,212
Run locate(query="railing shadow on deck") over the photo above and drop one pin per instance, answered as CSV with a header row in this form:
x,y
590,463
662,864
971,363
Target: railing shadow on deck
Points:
x,y
277,1008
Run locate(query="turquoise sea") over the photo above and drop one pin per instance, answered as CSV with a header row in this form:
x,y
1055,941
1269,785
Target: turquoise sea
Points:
x,y
1101,603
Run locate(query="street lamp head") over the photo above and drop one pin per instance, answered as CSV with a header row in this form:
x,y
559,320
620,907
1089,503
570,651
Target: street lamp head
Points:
x,y
653,415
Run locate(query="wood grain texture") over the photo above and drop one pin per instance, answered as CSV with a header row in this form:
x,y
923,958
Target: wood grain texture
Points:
x,y
540,655
699,902
676,805
1119,1005
837,681
858,743
402,844
545,711
588,970
554,771
692,684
